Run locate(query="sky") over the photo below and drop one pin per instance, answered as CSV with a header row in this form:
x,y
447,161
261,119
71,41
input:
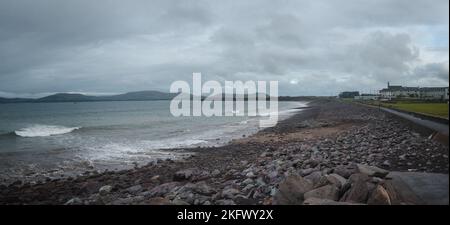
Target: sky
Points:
x,y
315,47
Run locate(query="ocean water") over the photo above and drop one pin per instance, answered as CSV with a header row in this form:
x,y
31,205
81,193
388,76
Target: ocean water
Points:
x,y
41,140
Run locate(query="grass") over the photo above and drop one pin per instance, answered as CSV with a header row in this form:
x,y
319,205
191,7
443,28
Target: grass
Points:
x,y
434,109
427,108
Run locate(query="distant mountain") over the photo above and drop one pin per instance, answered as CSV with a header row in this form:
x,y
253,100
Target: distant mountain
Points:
x,y
130,96
139,96
15,100
64,97
238,97
67,97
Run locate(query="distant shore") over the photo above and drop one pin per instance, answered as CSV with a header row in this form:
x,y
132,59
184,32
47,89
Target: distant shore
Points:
x,y
329,137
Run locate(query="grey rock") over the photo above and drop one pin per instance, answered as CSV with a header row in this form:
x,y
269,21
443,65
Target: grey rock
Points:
x,y
320,201
325,192
186,174
230,193
372,171
336,179
105,190
134,189
163,189
291,191
74,201
357,193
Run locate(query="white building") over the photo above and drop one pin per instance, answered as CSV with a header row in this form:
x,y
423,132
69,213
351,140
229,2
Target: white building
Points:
x,y
431,93
366,97
434,93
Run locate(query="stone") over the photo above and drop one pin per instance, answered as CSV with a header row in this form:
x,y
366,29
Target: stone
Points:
x,y
247,181
386,163
105,190
179,202
306,172
186,174
320,201
225,202
336,179
134,189
325,192
291,191
163,189
74,201
358,177
321,182
379,196
372,171
230,193
128,201
243,200
199,188
158,201
357,193
343,171
215,173
250,175
155,178
314,177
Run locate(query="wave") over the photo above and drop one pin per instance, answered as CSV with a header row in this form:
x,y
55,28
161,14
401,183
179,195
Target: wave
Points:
x,y
44,130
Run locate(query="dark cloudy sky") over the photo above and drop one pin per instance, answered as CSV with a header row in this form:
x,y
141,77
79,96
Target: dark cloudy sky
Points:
x,y
316,47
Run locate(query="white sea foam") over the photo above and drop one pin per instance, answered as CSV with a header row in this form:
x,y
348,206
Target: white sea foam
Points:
x,y
44,130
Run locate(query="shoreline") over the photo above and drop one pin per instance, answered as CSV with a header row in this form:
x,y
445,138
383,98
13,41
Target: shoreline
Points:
x,y
223,135
322,137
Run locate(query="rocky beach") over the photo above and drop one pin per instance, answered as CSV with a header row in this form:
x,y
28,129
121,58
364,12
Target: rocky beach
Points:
x,y
332,153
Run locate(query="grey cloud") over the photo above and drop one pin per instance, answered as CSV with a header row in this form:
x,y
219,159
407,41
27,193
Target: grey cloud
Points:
x,y
115,46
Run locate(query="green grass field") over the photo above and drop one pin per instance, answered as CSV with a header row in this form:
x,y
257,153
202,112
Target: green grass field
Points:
x,y
434,109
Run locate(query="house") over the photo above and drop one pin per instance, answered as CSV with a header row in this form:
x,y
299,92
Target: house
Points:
x,y
434,93
399,92
430,93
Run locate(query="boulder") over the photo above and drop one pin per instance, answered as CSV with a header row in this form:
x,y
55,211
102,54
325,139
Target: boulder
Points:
x,y
344,171
379,197
291,191
314,177
357,193
325,192
336,179
372,171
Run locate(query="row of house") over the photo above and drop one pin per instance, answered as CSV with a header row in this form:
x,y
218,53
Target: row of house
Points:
x,y
429,93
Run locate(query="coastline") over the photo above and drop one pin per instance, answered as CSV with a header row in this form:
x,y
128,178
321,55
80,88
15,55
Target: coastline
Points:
x,y
321,138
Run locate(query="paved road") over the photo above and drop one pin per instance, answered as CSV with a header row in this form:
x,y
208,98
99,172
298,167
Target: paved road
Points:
x,y
420,188
440,127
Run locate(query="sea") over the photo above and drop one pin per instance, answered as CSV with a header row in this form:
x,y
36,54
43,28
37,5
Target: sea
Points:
x,y
41,141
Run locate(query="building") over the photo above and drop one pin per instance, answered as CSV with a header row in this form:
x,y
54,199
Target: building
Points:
x,y
434,93
366,97
348,94
430,93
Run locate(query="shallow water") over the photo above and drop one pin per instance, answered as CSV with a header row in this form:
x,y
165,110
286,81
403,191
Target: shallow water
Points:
x,y
39,140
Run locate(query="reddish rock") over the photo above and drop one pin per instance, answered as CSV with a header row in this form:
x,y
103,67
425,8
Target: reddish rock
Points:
x,y
379,197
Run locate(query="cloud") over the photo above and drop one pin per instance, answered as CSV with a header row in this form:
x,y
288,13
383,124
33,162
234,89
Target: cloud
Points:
x,y
115,46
